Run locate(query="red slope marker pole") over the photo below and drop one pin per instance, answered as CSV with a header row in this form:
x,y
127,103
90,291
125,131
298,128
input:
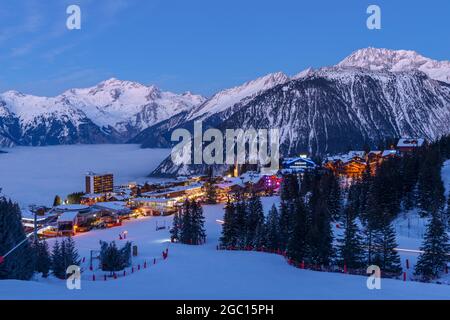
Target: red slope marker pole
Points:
x,y
2,259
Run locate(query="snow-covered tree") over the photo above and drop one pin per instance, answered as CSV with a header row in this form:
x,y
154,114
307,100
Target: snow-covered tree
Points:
x,y
432,261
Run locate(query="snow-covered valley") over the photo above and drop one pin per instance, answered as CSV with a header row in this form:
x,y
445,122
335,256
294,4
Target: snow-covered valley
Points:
x,y
34,175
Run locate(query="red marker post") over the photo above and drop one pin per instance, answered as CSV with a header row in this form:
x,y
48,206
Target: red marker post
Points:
x,y
2,259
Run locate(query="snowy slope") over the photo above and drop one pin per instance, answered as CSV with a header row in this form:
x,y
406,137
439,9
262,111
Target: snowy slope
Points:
x,y
202,272
397,61
229,97
120,104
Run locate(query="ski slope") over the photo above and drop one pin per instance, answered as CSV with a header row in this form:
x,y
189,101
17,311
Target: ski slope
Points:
x,y
202,272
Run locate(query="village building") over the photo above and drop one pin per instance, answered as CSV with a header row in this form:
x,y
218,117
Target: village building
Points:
x,y
409,145
298,165
118,208
99,183
179,193
154,206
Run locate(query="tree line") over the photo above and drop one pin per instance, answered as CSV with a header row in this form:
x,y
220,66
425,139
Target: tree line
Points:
x,y
188,225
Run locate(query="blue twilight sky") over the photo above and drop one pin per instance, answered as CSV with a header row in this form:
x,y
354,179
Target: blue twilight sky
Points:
x,y
200,45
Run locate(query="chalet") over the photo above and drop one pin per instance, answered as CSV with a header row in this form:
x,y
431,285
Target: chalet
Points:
x,y
227,189
67,223
298,165
409,145
92,198
118,208
351,164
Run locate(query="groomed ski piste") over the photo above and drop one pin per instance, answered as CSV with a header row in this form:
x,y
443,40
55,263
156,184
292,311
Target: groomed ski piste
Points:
x,y
203,272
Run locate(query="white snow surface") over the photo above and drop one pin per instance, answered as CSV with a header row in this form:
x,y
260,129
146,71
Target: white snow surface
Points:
x,y
113,102
202,272
228,98
397,61
34,175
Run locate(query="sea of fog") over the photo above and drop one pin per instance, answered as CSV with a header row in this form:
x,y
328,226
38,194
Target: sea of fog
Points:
x,y
34,175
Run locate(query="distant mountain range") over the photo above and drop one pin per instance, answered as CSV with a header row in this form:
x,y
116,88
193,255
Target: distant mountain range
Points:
x,y
112,111
371,95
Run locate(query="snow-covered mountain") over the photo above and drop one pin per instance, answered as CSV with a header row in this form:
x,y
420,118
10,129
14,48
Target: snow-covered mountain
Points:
x,y
111,111
329,109
397,61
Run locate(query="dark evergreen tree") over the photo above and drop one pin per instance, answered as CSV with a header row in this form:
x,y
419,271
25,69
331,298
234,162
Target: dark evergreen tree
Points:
x,y
320,234
42,258
57,201
254,221
75,198
19,264
113,259
198,235
229,227
350,248
57,259
385,256
241,222
334,201
272,229
70,253
430,187
176,227
186,231
432,261
298,248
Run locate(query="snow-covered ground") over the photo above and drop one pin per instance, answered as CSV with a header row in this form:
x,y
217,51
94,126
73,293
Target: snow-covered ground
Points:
x,y
202,272
34,175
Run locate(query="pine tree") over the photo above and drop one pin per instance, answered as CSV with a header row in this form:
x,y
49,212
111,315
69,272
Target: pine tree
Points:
x,y
111,258
430,187
229,228
176,227
57,201
125,253
241,222
284,224
272,229
350,248
297,248
58,268
42,258
186,223
198,224
334,201
432,261
19,264
71,256
320,234
385,256
254,221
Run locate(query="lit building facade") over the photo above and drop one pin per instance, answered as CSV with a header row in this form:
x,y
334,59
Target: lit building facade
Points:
x,y
99,183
